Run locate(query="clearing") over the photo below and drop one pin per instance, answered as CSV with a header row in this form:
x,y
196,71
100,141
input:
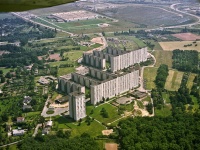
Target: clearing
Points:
x,y
173,81
149,77
163,57
182,45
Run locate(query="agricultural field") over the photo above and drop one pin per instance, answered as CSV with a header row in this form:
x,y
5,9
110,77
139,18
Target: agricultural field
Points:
x,y
187,36
149,77
147,15
173,81
163,57
182,45
190,80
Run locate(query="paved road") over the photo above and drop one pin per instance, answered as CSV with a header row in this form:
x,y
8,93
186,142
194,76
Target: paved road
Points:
x,y
36,129
10,144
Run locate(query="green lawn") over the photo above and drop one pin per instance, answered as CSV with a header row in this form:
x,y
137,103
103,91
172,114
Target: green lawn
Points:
x,y
196,105
139,42
112,113
64,71
5,70
166,97
149,77
148,99
163,57
73,55
66,123
164,112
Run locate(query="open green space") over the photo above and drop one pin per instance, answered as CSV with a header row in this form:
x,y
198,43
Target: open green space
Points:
x,y
5,70
190,80
149,77
139,42
192,108
112,112
94,129
163,57
173,81
64,71
166,97
147,99
164,111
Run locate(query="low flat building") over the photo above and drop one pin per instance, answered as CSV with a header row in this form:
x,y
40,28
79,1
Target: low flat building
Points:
x,y
16,132
20,119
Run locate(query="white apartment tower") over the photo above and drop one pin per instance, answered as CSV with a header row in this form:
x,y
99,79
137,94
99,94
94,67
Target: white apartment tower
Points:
x,y
77,109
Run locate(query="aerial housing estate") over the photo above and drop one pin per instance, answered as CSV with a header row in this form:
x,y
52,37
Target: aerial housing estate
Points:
x,y
103,81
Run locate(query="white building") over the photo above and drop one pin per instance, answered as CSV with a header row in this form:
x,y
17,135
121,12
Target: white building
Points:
x,y
77,109
113,87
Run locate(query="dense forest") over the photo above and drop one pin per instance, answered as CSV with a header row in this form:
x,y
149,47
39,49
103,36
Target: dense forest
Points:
x,y
180,131
185,60
84,142
161,76
19,56
22,31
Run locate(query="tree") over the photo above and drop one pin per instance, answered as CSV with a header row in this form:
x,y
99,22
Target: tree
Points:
x,y
3,79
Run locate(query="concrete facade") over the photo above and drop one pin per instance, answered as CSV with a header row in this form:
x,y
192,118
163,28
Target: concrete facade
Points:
x,y
120,60
113,87
94,61
77,108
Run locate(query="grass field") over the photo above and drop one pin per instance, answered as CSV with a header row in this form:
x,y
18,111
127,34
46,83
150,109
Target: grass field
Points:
x,y
163,112
173,81
166,97
139,42
64,71
190,80
170,46
66,123
112,113
163,57
149,77
5,70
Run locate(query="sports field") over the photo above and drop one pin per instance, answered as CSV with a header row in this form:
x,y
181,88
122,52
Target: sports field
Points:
x,y
182,45
173,81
